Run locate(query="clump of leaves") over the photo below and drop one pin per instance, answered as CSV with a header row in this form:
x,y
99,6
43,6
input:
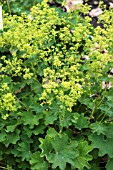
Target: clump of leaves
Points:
x,y
19,6
55,91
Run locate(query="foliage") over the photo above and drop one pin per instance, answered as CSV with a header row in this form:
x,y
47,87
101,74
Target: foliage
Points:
x,y
18,6
56,91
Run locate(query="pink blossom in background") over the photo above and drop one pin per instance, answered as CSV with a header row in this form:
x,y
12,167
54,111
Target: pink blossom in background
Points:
x,y
95,12
103,85
108,86
96,46
111,4
74,2
71,31
111,70
70,4
86,57
79,85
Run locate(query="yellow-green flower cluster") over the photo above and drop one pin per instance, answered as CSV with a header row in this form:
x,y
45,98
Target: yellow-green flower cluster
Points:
x,y
63,84
12,67
5,116
27,74
50,46
8,102
4,87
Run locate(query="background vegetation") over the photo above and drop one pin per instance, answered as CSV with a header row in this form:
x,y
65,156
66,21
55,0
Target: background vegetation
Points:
x,y
56,90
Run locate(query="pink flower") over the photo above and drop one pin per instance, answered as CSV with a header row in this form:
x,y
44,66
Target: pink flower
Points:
x,y
96,46
79,85
95,12
111,71
103,85
86,57
111,4
109,85
70,4
71,31
75,2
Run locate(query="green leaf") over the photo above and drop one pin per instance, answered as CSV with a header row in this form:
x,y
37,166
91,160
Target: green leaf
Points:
x,y
9,167
94,167
6,79
23,165
65,119
11,128
15,151
12,138
51,114
98,128
109,132
86,100
30,119
45,146
52,133
109,165
59,1
38,163
28,131
24,149
2,136
34,106
80,121
39,129
107,108
1,155
82,160
61,156
58,150
50,117
104,145
11,160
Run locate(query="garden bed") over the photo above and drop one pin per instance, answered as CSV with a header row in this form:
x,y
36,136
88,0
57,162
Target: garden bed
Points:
x,y
56,88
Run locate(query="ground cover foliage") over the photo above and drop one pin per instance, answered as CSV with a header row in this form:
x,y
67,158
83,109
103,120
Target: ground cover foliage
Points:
x,y
56,91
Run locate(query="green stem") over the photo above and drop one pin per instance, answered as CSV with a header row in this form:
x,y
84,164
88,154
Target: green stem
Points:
x,y
99,116
61,130
26,108
103,117
1,167
106,113
8,7
79,107
93,111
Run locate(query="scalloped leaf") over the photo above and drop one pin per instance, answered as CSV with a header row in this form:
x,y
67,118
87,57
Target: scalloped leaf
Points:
x,y
58,150
38,163
109,164
24,149
80,121
104,145
82,160
98,128
12,138
30,119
